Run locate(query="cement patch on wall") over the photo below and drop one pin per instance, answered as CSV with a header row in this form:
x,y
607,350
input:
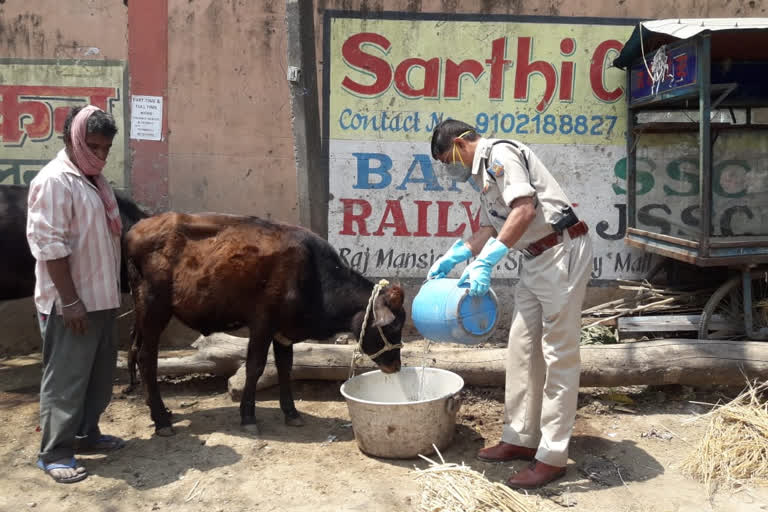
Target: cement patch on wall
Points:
x,y
21,331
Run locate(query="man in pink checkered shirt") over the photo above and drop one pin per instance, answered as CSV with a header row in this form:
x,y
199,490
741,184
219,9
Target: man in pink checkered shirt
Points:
x,y
73,230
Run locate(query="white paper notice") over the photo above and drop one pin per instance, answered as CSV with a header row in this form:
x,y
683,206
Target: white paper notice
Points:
x,y
146,117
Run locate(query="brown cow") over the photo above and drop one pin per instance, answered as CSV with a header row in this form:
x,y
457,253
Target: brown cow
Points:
x,y
219,272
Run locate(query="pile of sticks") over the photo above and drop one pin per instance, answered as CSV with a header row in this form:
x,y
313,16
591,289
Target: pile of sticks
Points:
x,y
647,299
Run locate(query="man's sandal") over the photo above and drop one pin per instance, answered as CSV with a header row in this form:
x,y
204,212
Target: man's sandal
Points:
x,y
105,443
52,469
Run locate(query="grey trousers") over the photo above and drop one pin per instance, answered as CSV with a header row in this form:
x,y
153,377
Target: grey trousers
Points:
x,y
77,381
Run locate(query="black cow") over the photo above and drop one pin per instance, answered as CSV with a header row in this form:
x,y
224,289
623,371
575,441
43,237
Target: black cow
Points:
x,y
17,274
222,272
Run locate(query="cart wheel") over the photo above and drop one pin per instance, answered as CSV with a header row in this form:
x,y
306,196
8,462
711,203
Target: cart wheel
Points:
x,y
723,314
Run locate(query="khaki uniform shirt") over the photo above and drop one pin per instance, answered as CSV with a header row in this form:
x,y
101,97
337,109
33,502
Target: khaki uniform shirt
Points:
x,y
508,173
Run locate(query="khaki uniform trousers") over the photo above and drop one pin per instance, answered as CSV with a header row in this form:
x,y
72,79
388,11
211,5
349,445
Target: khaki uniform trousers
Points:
x,y
543,363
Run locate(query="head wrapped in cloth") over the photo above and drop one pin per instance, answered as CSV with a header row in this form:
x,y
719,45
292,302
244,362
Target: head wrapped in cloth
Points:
x,y
91,165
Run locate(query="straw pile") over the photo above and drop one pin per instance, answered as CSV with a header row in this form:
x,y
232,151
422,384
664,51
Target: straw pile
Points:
x,y
734,449
450,487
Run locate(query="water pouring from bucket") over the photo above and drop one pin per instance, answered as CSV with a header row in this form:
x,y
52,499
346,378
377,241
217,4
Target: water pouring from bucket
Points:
x,y
385,408
443,311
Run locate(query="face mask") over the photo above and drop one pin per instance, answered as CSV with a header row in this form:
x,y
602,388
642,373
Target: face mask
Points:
x,y
457,170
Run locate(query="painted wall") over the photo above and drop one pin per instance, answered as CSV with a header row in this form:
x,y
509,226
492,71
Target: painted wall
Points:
x,y
389,76
37,95
391,81
50,61
668,185
50,58
228,112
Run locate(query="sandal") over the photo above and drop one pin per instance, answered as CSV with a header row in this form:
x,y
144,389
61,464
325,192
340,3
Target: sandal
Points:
x,y
105,443
50,470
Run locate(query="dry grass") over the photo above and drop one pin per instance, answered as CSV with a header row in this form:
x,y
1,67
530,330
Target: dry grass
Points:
x,y
450,487
734,449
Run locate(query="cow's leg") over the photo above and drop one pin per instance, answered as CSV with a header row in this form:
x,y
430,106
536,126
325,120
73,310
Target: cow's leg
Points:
x,y
133,352
284,363
258,346
151,319
148,370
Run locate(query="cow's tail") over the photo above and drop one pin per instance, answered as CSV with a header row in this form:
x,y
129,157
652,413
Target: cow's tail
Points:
x,y
134,278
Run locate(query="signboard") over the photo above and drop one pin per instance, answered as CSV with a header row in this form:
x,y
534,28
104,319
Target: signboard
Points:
x,y
146,117
547,82
35,98
667,69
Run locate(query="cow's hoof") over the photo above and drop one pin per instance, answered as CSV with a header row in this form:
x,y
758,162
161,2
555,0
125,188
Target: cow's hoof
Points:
x,y
294,421
165,431
250,428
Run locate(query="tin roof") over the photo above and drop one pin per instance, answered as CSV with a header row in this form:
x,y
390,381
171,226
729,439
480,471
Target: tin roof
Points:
x,y
745,38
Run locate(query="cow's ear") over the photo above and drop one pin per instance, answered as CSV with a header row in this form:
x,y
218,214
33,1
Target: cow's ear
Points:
x,y
382,314
394,297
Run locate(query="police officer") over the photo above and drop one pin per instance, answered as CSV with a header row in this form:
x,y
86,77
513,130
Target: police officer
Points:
x,y
524,208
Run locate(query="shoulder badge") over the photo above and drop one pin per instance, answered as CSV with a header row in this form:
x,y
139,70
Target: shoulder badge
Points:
x,y
497,168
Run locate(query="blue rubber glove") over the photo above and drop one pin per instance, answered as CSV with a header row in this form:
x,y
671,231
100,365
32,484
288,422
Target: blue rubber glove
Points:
x,y
478,273
456,254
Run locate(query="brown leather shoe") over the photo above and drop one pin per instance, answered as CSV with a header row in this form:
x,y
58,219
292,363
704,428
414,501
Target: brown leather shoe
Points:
x,y
535,475
503,452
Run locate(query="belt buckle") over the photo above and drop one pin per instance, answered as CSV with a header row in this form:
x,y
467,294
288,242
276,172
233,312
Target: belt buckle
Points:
x,y
527,254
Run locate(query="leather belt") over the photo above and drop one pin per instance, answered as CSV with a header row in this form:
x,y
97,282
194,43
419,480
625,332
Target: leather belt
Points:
x,y
551,240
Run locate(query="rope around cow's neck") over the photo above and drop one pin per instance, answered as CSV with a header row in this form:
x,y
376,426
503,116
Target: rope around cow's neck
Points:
x,y
359,347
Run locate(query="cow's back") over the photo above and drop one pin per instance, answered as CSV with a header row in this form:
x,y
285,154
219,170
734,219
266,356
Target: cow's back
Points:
x,y
220,270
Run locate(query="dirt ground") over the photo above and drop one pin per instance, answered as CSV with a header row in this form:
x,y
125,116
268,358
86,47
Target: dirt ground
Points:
x,y
626,454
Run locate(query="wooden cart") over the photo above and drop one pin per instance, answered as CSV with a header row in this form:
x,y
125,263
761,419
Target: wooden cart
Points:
x,y
696,132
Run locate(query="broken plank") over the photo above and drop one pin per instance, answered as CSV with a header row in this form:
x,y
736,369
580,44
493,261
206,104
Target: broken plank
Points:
x,y
666,323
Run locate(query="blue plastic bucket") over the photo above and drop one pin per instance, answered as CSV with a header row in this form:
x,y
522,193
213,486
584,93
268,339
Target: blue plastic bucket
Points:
x,y
443,311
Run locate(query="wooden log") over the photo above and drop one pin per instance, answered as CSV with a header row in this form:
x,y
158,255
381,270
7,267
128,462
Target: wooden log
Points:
x,y
674,361
677,361
217,354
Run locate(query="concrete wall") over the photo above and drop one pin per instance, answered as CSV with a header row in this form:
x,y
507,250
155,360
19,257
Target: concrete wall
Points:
x,y
230,142
83,34
229,135
35,29
50,60
599,8
229,111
